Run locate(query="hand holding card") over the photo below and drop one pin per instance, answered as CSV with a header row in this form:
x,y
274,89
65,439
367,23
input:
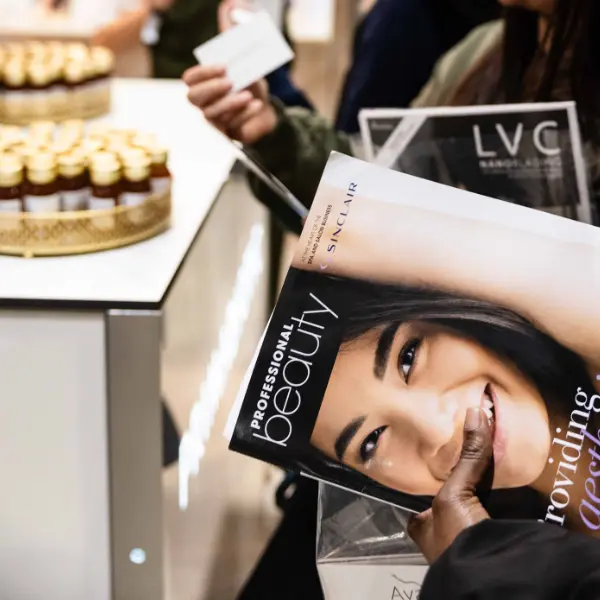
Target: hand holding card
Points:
x,y
246,116
228,85
248,51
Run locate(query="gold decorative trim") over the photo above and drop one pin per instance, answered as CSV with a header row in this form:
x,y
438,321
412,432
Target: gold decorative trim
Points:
x,y
81,232
22,115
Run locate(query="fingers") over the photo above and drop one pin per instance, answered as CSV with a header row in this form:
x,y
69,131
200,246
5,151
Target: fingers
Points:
x,y
210,91
202,73
456,506
208,94
419,525
224,15
233,103
236,121
421,529
476,454
457,498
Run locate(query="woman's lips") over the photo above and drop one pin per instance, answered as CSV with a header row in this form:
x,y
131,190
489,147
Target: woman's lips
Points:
x,y
491,404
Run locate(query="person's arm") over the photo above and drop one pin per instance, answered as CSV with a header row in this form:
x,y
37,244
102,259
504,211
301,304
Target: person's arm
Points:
x,y
297,150
551,277
520,560
124,32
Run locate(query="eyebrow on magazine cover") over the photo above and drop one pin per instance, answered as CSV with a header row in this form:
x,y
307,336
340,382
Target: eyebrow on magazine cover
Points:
x,y
384,347
346,436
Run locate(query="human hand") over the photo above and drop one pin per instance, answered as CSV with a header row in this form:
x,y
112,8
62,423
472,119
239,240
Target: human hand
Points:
x,y
246,116
456,506
225,12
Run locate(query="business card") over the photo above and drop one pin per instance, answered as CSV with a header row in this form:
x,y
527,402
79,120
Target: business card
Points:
x,y
248,51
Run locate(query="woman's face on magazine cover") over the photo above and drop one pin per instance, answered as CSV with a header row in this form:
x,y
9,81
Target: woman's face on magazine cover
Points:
x,y
396,402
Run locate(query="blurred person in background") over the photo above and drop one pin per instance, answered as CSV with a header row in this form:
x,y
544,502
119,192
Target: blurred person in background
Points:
x,y
179,27
119,22
396,46
541,50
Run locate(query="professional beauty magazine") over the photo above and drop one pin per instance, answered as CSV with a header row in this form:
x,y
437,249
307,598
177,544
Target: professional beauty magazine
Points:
x,y
408,302
530,154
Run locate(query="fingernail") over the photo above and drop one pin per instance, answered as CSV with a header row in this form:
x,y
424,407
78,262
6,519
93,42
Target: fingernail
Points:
x,y
473,418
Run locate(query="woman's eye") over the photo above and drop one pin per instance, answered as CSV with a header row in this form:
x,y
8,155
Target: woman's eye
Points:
x,y
407,357
369,445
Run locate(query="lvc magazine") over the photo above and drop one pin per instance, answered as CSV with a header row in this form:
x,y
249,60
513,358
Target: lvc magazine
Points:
x,y
407,302
529,154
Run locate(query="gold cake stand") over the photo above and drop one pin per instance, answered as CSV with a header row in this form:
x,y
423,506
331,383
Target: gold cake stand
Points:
x,y
65,233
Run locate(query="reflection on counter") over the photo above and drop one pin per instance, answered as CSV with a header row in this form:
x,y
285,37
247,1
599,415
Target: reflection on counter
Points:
x,y
222,359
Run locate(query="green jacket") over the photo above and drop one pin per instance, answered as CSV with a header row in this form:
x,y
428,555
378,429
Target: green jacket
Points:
x,y
186,25
297,151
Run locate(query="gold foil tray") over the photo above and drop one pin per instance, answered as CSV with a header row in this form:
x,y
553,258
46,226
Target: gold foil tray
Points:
x,y
25,112
60,234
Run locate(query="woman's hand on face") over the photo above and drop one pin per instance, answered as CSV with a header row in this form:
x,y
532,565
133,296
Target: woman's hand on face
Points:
x,y
456,506
246,116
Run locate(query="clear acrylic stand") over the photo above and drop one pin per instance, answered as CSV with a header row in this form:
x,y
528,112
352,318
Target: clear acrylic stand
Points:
x,y
363,549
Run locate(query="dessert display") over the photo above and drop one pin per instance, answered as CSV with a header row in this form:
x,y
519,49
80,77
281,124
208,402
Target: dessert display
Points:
x,y
66,189
53,80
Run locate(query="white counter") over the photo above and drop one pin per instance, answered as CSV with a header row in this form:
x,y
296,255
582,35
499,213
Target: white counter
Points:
x,y
136,276
167,322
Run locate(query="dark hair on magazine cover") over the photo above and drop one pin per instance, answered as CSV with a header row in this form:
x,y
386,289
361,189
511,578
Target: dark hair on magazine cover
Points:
x,y
554,370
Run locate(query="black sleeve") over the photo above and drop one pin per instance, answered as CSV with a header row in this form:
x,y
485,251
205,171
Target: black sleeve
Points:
x,y
516,560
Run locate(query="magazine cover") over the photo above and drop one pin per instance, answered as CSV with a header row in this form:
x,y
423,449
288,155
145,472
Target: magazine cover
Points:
x,y
376,126
529,154
288,210
408,302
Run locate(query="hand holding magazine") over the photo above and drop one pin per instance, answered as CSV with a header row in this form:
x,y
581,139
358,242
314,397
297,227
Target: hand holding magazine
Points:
x,y
408,302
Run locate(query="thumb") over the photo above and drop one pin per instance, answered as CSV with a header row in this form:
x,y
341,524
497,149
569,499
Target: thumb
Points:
x,y
474,471
420,528
224,15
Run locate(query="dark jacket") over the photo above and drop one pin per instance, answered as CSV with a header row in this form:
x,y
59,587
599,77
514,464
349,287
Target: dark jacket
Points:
x,y
404,37
516,560
186,25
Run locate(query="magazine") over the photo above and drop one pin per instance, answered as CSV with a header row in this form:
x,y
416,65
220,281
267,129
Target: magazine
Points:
x,y
376,126
408,302
290,212
530,154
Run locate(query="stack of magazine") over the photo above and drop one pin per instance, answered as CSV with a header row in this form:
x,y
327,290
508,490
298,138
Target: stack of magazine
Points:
x,y
407,302
530,154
